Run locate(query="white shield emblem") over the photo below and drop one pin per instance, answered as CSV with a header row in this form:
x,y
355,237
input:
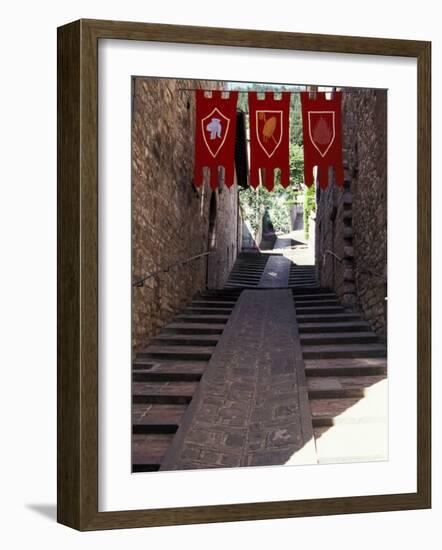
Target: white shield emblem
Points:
x,y
215,127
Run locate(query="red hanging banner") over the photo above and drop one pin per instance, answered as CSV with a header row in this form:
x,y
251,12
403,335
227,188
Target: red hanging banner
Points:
x,y
322,132
269,138
215,136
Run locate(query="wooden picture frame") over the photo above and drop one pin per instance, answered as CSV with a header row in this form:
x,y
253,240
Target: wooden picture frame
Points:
x,y
78,274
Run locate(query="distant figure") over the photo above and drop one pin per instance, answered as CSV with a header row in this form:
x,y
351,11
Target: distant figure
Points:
x,y
214,127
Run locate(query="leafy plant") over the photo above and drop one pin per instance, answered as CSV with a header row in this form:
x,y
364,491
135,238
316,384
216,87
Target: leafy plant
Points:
x,y
309,205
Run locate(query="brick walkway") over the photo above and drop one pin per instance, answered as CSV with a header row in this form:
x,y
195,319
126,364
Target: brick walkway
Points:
x,y
251,406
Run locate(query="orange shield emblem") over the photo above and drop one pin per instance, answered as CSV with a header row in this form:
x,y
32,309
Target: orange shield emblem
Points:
x,y
269,130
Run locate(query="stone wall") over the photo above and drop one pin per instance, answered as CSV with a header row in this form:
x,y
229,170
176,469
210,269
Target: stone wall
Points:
x,y
352,222
172,221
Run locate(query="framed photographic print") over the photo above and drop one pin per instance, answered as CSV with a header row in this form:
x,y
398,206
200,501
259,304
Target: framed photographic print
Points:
x,y
236,208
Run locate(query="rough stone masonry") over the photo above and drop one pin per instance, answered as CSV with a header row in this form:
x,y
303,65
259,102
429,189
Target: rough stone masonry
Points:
x,y
171,221
352,222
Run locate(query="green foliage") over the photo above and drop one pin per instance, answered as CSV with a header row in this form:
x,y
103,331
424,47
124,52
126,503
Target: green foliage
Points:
x,y
253,205
296,160
309,205
279,214
264,206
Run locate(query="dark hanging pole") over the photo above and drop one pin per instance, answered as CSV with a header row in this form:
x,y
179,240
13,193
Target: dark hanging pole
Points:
x,y
345,89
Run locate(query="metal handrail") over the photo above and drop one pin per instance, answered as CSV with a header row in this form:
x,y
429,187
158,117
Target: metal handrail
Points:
x,y
340,260
140,282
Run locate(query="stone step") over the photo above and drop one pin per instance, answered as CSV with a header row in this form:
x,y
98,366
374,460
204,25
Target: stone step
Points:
x,y
242,285
242,273
229,297
322,421
177,352
251,258
355,326
165,371
317,303
331,408
249,267
194,328
163,392
213,303
327,317
305,285
244,282
148,451
373,405
198,319
343,393
185,340
314,310
317,296
344,350
241,278
208,310
156,418
254,263
247,270
246,273
346,367
299,291
338,338
336,383
312,287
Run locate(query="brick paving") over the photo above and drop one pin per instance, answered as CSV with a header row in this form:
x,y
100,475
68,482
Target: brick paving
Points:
x,y
251,406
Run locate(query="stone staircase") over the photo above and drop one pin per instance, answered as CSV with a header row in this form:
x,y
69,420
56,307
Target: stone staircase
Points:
x,y
247,271
346,369
302,275
167,372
